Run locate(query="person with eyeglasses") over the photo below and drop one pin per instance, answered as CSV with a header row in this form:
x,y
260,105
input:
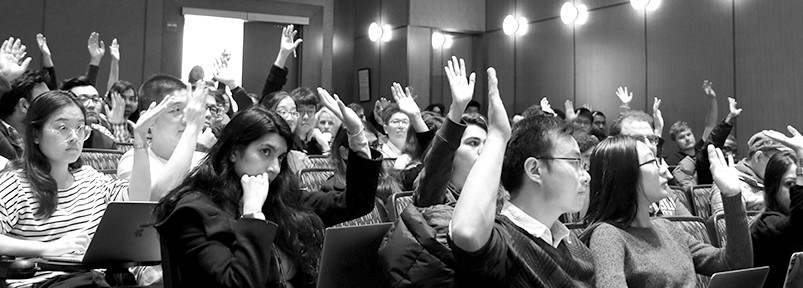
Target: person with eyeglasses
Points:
x,y
402,143
524,245
51,202
103,135
626,178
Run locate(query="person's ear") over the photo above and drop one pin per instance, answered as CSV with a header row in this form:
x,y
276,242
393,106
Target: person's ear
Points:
x,y
233,156
533,168
22,105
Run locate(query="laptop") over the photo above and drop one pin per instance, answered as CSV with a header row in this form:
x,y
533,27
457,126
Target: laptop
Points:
x,y
349,257
744,278
125,234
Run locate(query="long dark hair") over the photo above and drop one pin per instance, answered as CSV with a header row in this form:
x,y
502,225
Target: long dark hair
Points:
x,y
33,163
614,184
773,179
300,232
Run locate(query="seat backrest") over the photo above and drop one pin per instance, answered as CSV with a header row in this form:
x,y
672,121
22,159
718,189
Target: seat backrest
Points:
x,y
398,201
701,200
683,195
696,227
320,161
124,147
312,178
719,222
378,215
103,160
794,274
170,273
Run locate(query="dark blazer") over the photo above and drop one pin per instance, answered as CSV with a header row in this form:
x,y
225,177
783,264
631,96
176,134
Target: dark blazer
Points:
x,y
8,149
213,248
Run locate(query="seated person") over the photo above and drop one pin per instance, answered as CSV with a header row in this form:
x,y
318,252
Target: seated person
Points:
x,y
215,118
173,136
126,92
473,107
326,126
437,108
282,103
13,108
103,135
751,173
542,170
598,128
681,132
626,241
239,218
398,118
52,204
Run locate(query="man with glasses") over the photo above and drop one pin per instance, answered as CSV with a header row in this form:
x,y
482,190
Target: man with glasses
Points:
x,y
102,136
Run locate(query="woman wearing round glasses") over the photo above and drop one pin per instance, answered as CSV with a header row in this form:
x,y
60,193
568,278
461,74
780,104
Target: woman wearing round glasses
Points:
x,y
630,247
50,204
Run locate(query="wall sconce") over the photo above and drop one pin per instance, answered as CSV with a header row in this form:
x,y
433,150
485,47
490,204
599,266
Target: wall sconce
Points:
x,y
376,32
440,40
650,5
512,25
571,14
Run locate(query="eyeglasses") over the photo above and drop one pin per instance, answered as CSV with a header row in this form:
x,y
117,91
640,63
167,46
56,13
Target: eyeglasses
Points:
x,y
85,99
399,122
653,161
577,162
647,139
286,114
82,132
215,110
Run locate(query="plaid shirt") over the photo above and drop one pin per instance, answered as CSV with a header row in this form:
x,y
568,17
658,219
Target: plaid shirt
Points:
x,y
13,135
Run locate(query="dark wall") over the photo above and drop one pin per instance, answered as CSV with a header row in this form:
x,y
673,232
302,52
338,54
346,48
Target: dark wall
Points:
x,y
750,51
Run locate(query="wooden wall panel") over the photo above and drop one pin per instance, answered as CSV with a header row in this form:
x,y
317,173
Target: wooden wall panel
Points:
x,y
261,42
545,64
539,10
67,35
393,63
769,66
366,55
396,13
594,4
418,48
499,54
610,53
24,19
462,47
343,52
367,12
688,42
495,12
450,15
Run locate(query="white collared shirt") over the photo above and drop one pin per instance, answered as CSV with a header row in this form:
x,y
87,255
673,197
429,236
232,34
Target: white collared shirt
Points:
x,y
553,236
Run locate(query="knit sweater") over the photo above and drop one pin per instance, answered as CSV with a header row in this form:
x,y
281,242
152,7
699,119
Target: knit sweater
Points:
x,y
514,258
666,256
777,236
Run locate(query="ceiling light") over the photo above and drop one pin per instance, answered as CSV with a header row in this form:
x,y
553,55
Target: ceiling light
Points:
x,y
374,32
510,25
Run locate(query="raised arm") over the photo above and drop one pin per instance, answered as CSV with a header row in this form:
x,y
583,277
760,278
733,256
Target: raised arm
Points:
x,y
96,51
114,69
408,106
438,161
12,62
278,72
140,186
474,214
658,117
625,97
47,61
713,110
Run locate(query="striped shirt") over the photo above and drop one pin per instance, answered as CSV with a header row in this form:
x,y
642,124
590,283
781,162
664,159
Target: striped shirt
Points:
x,y
80,208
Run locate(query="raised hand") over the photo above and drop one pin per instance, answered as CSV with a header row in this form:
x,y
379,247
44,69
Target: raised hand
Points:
x,y
255,191
498,124
544,105
725,175
287,45
224,76
570,114
74,242
149,116
795,142
733,112
96,48
116,112
41,41
658,118
624,96
379,106
405,100
114,50
462,87
11,65
195,112
708,89
588,106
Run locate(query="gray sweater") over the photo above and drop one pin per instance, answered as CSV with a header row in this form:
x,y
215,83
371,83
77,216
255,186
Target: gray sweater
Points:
x,y
667,256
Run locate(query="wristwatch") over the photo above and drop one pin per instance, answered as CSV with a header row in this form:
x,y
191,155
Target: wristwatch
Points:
x,y
255,215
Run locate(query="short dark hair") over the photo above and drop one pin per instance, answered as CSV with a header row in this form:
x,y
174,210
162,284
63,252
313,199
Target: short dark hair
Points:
x,y
305,96
585,141
473,103
533,110
614,186
475,119
637,115
678,127
79,81
357,108
531,137
583,112
597,113
157,88
273,99
21,88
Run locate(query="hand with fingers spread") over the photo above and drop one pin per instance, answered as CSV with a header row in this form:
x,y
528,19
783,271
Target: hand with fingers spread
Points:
x,y
708,89
462,86
546,107
287,45
195,112
795,142
589,107
114,50
624,96
379,106
225,76
405,100
116,112
11,65
658,118
96,49
47,57
70,243
724,174
733,111
255,191
357,140
149,116
570,114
